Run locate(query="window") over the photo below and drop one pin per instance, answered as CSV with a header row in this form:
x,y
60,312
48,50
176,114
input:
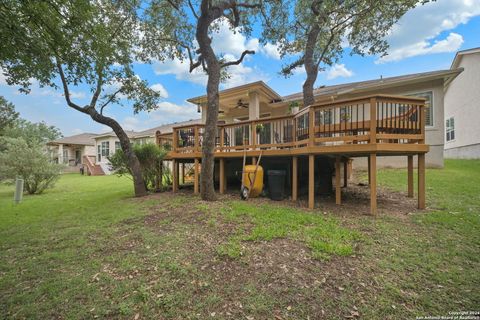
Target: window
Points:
x,y
105,148
450,129
141,141
99,153
428,96
65,156
323,117
117,146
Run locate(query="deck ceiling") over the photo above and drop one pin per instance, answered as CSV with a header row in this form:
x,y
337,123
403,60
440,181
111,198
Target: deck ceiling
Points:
x,y
230,97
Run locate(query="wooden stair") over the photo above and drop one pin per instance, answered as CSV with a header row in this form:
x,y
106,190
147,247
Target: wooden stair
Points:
x,y
92,168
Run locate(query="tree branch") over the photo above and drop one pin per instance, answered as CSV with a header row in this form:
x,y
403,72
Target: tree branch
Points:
x,y
325,48
174,5
248,5
288,68
66,92
98,89
110,99
237,62
196,64
192,9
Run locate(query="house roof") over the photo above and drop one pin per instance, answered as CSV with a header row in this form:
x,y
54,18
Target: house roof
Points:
x,y
166,128
253,86
130,134
361,86
78,139
460,54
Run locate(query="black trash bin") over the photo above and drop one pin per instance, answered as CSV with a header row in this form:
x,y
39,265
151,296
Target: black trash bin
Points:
x,y
276,184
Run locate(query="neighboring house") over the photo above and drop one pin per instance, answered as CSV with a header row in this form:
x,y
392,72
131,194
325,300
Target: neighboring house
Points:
x,y
462,107
107,144
72,150
257,101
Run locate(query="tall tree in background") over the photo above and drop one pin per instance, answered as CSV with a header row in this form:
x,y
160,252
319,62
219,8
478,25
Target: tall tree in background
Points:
x,y
69,43
320,28
189,28
8,115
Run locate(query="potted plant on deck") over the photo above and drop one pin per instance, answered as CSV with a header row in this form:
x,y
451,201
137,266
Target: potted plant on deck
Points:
x,y
293,107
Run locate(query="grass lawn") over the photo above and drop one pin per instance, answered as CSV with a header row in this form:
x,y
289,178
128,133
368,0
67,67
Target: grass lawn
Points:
x,y
87,249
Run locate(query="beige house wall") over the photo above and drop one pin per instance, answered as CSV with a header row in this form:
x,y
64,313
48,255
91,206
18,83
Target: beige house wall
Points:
x,y
434,134
98,143
112,140
462,102
57,152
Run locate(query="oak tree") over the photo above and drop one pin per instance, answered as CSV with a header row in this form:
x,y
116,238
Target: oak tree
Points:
x,y
189,27
319,30
66,44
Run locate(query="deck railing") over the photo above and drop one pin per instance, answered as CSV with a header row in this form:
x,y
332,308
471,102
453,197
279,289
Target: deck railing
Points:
x,y
396,119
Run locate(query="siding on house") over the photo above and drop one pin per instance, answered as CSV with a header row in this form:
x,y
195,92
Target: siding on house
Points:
x,y
462,104
433,134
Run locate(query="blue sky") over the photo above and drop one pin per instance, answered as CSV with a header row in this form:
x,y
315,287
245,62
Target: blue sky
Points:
x,y
425,39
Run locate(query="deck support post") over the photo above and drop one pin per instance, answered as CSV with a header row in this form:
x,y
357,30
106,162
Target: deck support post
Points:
x,y
222,176
338,188
195,178
345,173
175,175
311,181
294,178
373,184
369,169
410,176
421,181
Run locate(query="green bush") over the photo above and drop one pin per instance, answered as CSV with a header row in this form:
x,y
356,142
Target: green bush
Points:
x,y
150,157
28,161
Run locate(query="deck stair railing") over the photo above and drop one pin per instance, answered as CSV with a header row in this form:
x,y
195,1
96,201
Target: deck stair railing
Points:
x,y
92,168
396,119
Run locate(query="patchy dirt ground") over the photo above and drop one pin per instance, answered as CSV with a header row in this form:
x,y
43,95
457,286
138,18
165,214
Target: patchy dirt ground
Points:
x,y
98,253
278,278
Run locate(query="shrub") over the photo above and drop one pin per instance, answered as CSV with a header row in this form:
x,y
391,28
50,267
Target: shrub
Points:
x,y
150,157
30,162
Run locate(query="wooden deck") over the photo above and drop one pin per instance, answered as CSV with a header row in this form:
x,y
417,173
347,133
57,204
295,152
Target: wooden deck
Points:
x,y
368,126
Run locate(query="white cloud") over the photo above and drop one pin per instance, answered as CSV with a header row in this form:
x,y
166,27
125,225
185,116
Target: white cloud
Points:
x,y
415,33
271,51
229,41
230,44
451,44
77,95
160,89
239,74
181,71
2,77
169,112
339,70
132,123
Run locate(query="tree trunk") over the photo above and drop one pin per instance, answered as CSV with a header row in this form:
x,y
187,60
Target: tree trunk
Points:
x,y
207,190
133,163
311,66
